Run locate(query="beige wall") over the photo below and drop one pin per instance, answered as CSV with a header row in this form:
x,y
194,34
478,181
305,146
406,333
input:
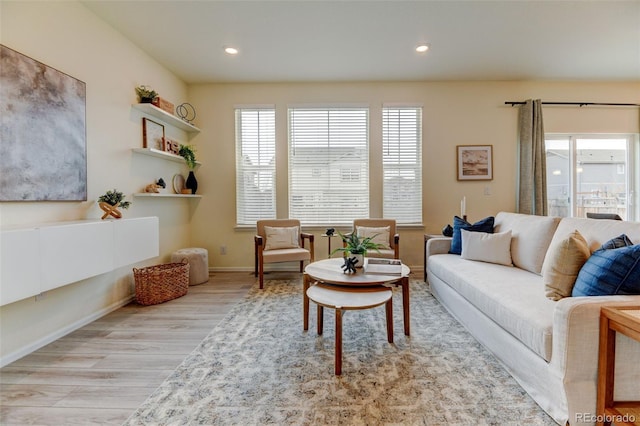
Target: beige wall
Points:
x,y
455,113
66,36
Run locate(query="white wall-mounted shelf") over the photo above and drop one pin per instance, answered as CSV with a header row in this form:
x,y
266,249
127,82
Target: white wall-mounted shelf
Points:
x,y
170,119
160,195
162,154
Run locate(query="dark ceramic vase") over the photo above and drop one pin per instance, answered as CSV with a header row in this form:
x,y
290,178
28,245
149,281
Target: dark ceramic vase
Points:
x,y
191,182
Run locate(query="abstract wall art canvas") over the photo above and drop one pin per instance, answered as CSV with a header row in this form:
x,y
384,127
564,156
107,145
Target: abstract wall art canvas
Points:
x,y
43,153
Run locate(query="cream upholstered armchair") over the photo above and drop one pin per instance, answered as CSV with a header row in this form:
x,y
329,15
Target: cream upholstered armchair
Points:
x,y
280,240
384,232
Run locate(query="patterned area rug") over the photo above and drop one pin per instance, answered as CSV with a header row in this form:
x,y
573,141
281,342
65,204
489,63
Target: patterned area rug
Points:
x,y
258,367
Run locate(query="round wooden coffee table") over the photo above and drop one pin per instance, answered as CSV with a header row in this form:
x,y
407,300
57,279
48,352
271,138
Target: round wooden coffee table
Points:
x,y
329,271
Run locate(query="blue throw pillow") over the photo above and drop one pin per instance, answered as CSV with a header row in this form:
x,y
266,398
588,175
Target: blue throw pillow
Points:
x,y
617,242
484,225
610,271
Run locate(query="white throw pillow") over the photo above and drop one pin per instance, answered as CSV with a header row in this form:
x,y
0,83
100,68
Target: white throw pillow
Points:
x,y
484,247
380,235
281,237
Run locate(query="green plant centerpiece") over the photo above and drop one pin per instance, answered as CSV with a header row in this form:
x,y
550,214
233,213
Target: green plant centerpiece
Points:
x,y
146,94
110,201
357,246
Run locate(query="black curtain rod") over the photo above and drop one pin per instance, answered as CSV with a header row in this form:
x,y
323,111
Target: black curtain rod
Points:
x,y
513,103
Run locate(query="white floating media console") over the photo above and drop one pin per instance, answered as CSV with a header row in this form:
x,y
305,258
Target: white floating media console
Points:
x,y
48,256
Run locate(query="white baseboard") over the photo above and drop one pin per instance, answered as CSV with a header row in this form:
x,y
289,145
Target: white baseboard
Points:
x,y
26,350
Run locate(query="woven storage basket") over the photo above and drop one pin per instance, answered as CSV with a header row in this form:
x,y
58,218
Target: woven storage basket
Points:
x,y
161,283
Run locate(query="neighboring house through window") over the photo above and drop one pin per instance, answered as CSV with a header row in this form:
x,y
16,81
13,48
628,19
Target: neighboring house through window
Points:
x,y
590,174
328,164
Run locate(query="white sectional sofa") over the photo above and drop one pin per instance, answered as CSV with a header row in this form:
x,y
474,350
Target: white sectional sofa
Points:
x,y
549,347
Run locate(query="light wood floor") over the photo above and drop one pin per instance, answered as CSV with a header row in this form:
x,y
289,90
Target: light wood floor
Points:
x,y
102,372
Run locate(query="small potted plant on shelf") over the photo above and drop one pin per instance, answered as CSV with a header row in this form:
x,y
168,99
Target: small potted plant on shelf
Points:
x,y
110,201
188,152
356,246
146,94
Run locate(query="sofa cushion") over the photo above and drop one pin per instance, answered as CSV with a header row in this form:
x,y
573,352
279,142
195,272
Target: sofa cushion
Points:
x,y
511,297
617,242
530,238
484,225
563,262
484,247
597,231
610,271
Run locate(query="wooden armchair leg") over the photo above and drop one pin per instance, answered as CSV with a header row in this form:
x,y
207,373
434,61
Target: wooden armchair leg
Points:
x,y
261,274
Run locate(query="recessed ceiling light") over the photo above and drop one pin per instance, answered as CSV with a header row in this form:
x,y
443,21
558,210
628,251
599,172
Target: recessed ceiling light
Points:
x,y
231,50
422,48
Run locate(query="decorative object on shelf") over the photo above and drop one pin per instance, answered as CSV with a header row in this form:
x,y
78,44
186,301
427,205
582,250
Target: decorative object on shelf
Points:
x,y
357,246
163,104
191,182
43,149
171,146
188,152
178,183
475,162
187,112
152,134
349,266
110,201
155,187
447,231
146,94
330,231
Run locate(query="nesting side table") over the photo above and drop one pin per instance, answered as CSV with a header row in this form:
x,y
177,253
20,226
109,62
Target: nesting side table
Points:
x,y
625,320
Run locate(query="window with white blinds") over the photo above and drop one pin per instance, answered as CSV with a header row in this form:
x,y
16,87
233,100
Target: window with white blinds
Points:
x,y
328,165
402,164
255,165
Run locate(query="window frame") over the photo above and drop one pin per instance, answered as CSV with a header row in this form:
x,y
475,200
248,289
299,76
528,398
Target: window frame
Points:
x,y
412,213
243,215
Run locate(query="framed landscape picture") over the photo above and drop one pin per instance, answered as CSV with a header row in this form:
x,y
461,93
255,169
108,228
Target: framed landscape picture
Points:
x,y
475,162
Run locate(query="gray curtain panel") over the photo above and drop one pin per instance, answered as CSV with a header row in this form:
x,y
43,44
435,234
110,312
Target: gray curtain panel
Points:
x,y
532,195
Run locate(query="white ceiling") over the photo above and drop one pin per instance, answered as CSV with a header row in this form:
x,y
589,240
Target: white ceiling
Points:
x,y
307,40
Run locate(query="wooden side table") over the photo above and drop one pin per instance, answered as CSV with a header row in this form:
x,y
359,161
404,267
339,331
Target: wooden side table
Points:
x,y
328,237
625,320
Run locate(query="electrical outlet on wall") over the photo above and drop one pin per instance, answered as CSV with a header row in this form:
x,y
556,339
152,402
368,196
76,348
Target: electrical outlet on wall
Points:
x,y
487,190
223,250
